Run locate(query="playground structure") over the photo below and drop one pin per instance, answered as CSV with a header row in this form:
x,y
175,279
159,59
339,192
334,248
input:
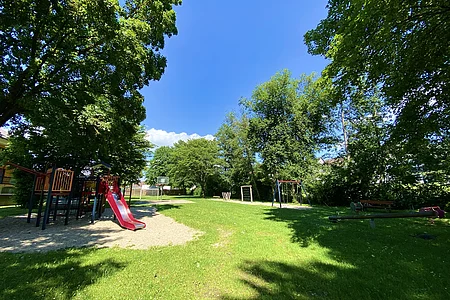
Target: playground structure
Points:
x,y
88,196
63,194
53,185
430,212
288,189
56,185
246,193
110,188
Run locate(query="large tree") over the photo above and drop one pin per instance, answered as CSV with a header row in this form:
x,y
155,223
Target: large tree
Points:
x,y
402,47
195,162
70,77
287,123
236,152
69,56
159,165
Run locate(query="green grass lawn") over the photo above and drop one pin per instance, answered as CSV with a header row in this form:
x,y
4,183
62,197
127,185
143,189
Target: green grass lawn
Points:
x,y
11,210
157,198
249,252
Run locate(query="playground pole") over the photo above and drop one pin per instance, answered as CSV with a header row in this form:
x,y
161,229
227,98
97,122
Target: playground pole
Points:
x,y
274,193
69,203
131,192
30,203
49,198
94,207
279,193
41,202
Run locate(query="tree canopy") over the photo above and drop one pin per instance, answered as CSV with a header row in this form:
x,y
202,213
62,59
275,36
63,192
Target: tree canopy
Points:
x,y
194,162
70,77
287,118
80,57
401,47
160,164
236,152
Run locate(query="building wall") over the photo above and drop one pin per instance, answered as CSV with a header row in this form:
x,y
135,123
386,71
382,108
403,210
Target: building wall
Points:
x,y
6,188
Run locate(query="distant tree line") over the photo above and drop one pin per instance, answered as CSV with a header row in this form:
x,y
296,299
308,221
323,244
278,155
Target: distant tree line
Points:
x,y
289,128
374,125
378,116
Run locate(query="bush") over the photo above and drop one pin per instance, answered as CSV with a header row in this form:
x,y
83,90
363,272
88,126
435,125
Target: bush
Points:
x,y
23,183
337,186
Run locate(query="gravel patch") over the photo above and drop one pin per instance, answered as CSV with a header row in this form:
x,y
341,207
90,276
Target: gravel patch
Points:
x,y
16,235
275,205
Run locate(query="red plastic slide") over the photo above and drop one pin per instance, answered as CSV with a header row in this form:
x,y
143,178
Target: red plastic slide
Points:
x,y
122,211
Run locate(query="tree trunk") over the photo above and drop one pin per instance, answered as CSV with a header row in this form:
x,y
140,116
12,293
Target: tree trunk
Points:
x,y
252,174
8,112
344,131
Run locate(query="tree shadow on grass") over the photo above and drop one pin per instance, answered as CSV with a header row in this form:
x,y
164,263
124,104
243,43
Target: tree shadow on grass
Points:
x,y
163,207
306,225
314,226
276,280
352,260
55,275
324,280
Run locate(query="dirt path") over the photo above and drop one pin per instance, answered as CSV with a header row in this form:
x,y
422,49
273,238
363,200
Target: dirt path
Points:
x,y
16,235
275,205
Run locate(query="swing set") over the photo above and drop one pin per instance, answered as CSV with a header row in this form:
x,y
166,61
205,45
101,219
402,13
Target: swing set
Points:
x,y
286,190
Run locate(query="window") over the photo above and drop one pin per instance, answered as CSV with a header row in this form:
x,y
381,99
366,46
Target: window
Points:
x,y
7,190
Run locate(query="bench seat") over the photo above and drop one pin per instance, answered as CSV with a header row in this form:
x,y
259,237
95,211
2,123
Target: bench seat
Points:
x,y
377,204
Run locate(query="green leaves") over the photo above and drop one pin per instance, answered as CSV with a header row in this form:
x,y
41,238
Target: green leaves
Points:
x,y
76,52
195,161
70,77
236,152
160,164
286,122
400,47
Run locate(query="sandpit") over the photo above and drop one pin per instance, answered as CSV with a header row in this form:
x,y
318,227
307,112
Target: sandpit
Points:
x,y
16,235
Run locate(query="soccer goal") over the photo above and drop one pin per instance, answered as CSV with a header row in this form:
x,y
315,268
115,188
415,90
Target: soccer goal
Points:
x,y
246,193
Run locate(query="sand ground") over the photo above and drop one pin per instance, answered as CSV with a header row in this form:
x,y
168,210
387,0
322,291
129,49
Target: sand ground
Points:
x,y
16,235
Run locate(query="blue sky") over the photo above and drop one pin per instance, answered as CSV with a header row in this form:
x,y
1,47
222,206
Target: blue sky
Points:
x,y
223,50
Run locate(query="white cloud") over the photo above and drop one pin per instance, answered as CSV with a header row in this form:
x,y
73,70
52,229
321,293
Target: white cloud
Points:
x,y
164,138
3,132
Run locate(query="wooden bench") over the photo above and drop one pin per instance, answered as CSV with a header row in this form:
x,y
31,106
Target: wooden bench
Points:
x,y
376,204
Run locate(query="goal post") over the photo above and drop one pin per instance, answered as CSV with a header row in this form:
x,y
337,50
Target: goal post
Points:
x,y
246,192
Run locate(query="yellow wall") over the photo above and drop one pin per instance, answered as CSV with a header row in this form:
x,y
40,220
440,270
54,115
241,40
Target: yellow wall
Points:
x,y
3,142
5,188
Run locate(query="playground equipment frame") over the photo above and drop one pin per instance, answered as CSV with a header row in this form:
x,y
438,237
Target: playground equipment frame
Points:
x,y
279,189
242,192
